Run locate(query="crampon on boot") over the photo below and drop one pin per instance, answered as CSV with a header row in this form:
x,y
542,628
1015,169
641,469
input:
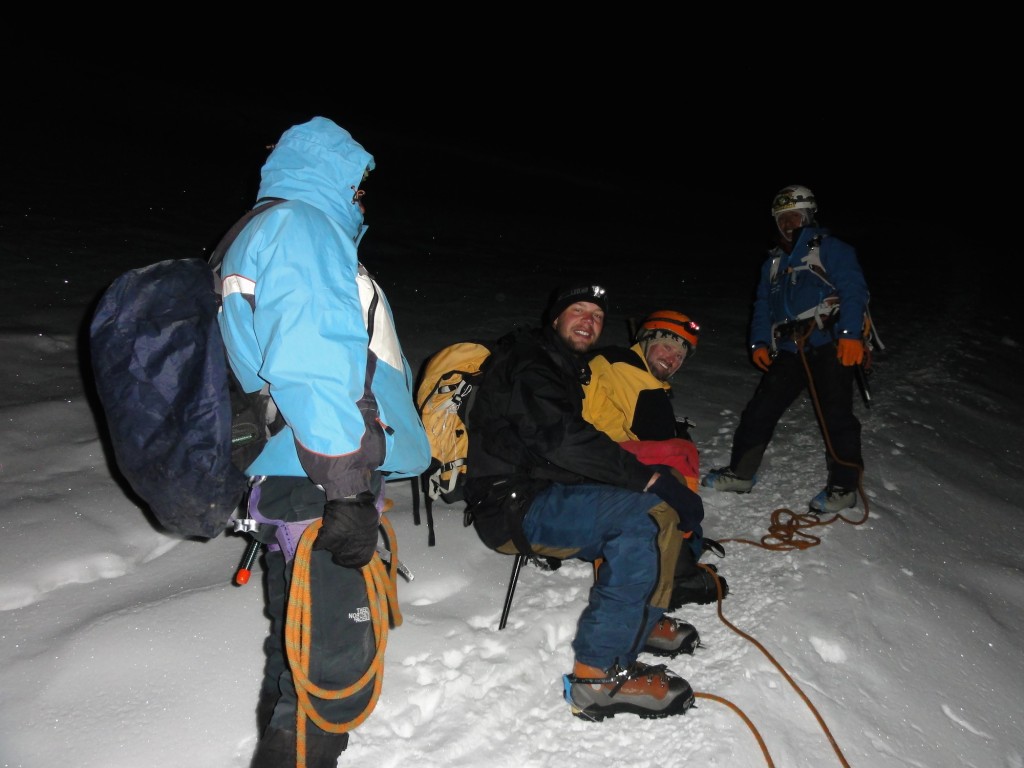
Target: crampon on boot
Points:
x,y
670,637
641,690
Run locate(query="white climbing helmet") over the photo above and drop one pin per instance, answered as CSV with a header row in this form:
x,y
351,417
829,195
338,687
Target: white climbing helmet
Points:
x,y
794,198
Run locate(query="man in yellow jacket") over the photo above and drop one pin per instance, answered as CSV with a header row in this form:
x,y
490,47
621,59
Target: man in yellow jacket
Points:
x,y
629,396
629,399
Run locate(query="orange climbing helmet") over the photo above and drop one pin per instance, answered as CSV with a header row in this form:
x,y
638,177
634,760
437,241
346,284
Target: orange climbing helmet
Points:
x,y
669,324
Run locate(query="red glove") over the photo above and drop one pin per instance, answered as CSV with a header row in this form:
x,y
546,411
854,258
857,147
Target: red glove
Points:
x,y
762,359
850,351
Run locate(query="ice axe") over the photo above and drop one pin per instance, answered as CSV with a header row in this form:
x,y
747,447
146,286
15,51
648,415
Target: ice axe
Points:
x,y
862,384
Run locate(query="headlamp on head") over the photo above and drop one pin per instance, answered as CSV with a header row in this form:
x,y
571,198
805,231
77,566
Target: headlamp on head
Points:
x,y
794,198
591,293
566,297
669,325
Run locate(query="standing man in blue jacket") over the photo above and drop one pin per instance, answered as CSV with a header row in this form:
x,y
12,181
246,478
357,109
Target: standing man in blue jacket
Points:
x,y
305,322
812,298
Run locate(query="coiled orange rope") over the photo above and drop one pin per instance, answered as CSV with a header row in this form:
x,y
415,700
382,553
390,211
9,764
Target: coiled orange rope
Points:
x,y
382,593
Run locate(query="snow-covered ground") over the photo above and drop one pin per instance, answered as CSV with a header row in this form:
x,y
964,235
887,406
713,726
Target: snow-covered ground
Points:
x,y
898,634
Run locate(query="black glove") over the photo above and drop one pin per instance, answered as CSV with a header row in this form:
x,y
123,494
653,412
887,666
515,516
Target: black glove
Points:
x,y
685,502
349,530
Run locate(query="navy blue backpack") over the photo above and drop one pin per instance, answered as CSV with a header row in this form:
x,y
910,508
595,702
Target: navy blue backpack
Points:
x,y
181,429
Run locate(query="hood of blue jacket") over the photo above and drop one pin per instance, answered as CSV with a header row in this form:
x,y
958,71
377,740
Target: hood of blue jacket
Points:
x,y
319,163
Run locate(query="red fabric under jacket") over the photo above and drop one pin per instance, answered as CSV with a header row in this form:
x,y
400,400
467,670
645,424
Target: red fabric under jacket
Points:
x,y
676,453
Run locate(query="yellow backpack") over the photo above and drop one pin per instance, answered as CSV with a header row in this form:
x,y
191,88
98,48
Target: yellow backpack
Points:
x,y
444,397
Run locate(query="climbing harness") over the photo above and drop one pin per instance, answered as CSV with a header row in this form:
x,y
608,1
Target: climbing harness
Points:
x,y
822,313
826,311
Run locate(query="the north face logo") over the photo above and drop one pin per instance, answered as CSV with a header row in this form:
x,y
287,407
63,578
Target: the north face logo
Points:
x,y
361,615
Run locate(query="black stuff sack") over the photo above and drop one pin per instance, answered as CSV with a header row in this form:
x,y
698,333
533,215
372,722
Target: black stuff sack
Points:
x,y
162,377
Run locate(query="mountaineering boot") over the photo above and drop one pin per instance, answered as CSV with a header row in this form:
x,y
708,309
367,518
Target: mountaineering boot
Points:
x,y
724,479
697,588
670,637
640,689
834,499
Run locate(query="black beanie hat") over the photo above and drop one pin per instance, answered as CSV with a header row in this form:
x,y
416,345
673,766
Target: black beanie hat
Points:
x,y
564,297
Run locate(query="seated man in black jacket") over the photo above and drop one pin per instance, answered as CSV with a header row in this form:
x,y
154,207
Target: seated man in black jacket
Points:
x,y
543,481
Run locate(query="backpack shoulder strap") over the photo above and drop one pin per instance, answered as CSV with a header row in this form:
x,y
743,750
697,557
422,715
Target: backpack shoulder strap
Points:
x,y
813,261
810,262
229,237
262,404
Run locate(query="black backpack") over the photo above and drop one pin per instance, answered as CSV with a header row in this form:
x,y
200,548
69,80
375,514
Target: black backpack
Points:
x,y
181,427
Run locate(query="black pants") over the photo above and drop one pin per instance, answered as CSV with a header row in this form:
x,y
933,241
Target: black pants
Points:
x,y
342,643
779,387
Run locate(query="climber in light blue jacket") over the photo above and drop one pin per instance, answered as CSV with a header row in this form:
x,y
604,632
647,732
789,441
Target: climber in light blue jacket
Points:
x,y
306,323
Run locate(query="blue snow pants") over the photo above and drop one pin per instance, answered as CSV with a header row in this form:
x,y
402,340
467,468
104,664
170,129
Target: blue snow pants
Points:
x,y
602,521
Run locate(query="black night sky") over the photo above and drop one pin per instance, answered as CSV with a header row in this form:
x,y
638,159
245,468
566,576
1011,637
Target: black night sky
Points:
x,y
902,166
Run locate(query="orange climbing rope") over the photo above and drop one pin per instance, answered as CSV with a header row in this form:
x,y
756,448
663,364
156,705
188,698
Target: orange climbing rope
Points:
x,y
382,592
786,532
782,671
